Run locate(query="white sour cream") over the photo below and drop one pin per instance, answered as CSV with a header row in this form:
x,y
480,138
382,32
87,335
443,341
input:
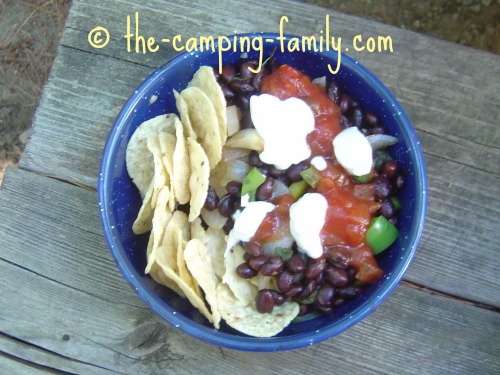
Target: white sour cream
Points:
x,y
353,151
319,163
307,217
284,125
247,222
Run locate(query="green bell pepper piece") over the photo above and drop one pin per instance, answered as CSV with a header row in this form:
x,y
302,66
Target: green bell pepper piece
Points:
x,y
380,234
251,183
311,176
298,189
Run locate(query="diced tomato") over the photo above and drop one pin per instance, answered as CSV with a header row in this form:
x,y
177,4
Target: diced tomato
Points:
x,y
276,224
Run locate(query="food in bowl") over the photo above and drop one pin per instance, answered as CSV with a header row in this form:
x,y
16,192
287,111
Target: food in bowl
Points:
x,y
259,221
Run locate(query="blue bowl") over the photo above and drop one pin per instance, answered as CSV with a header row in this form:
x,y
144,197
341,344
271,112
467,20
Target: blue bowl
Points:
x,y
119,199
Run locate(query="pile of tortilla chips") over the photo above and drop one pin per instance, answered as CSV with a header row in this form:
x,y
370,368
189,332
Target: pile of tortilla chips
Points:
x,y
172,159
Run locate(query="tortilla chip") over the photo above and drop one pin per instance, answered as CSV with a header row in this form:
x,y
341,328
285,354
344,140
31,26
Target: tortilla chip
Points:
x,y
216,245
198,181
160,277
138,159
199,263
204,121
160,177
161,217
243,290
167,147
191,295
205,80
182,107
246,318
142,223
181,170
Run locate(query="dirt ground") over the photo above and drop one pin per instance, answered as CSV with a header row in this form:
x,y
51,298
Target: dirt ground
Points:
x,y
30,31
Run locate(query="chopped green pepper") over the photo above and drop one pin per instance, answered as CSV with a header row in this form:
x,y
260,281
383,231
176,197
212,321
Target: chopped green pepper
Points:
x,y
251,183
380,234
396,203
311,176
297,189
284,253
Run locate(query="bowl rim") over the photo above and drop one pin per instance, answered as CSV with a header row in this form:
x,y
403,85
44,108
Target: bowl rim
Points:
x,y
247,343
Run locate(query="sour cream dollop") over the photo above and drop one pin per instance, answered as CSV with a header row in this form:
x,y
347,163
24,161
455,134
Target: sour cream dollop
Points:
x,y
353,151
247,222
307,217
284,126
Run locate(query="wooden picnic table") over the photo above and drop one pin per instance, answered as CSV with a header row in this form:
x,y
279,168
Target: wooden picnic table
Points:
x,y
64,306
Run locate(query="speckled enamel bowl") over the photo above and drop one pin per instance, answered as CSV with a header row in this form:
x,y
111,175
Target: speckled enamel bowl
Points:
x,y
119,200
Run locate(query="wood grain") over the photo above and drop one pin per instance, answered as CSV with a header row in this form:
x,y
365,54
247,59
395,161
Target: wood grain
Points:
x,y
88,318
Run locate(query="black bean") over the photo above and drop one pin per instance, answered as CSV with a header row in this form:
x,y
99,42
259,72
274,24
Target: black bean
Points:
x,y
253,248
245,271
344,122
241,87
234,188
370,119
235,203
257,79
309,287
264,301
294,290
284,281
273,266
333,91
243,103
257,262
382,188
246,121
254,159
228,93
225,205
265,191
278,298
356,115
212,199
336,257
387,209
245,72
349,292
228,73
314,268
229,224
337,276
295,264
390,168
325,294
344,103
293,172
274,172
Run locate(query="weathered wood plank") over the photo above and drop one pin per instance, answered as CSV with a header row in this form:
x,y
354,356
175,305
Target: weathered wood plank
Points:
x,y
49,302
36,360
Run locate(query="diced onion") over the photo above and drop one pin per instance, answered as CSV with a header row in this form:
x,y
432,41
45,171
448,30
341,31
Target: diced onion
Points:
x,y
378,141
233,115
246,138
